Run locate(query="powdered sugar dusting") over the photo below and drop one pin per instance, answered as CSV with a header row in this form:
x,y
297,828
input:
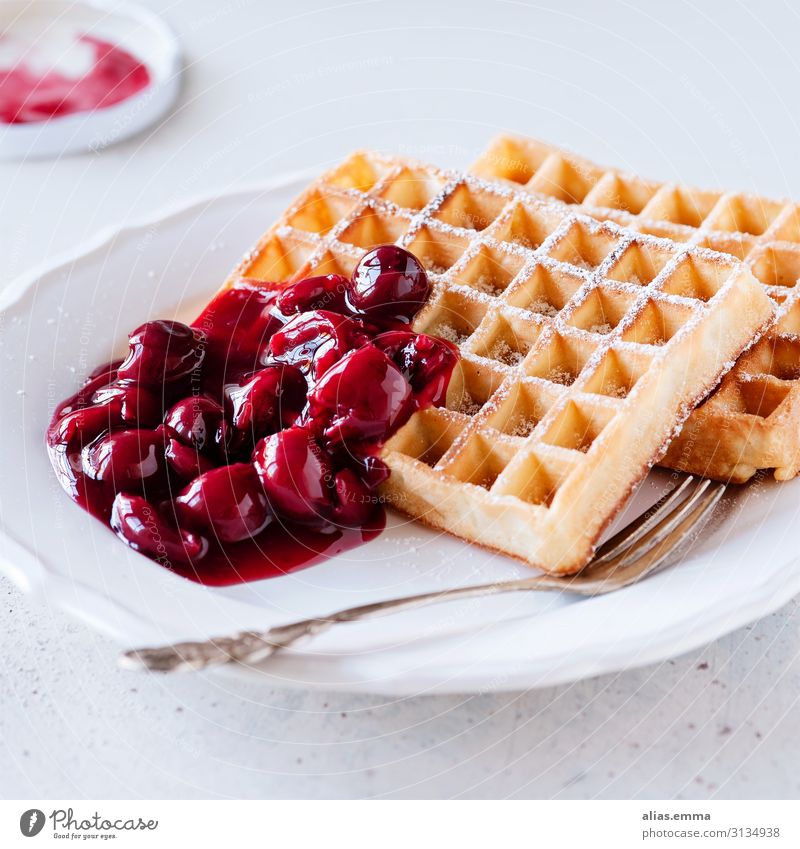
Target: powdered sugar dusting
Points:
x,y
468,406
487,284
448,332
504,353
560,375
544,308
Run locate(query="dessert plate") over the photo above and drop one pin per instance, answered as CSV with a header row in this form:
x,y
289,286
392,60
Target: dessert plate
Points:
x,y
60,321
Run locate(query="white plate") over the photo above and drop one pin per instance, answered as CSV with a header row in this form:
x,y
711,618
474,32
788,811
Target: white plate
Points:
x,y
63,320
128,25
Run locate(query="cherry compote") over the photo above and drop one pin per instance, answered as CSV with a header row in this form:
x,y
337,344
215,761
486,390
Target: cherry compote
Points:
x,y
247,444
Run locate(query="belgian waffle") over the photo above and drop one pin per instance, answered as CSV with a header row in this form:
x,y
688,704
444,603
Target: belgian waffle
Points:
x,y
752,421
583,346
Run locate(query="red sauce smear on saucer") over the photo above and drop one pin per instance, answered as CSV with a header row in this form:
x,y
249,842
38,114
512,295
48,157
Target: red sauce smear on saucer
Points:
x,y
27,96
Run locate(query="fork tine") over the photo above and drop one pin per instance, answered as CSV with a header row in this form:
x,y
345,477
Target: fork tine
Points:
x,y
635,530
668,524
644,565
663,528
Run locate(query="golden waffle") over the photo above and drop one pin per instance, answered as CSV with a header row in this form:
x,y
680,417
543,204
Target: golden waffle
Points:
x,y
583,346
752,421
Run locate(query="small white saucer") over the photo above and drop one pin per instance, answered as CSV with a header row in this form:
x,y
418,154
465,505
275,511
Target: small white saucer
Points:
x,y
132,27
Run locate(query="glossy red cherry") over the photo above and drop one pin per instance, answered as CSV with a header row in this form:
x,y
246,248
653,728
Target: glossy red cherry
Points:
x,y
296,475
271,399
361,458
389,283
186,461
229,502
162,352
142,527
315,293
98,379
426,362
82,426
370,469
364,397
104,406
196,421
314,341
238,324
136,405
355,502
101,377
129,460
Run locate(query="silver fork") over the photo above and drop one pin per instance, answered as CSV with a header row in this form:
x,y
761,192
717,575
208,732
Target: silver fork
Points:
x,y
626,558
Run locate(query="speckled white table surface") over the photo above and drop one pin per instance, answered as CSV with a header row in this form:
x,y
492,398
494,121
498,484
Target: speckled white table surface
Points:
x,y
665,90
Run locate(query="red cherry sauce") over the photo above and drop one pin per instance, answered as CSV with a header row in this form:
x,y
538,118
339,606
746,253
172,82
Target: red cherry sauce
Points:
x,y
28,96
247,445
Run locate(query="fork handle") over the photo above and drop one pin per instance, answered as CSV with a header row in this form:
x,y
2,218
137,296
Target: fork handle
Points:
x,y
254,646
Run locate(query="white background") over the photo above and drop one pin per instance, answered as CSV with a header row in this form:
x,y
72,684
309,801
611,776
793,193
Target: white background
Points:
x,y
669,91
